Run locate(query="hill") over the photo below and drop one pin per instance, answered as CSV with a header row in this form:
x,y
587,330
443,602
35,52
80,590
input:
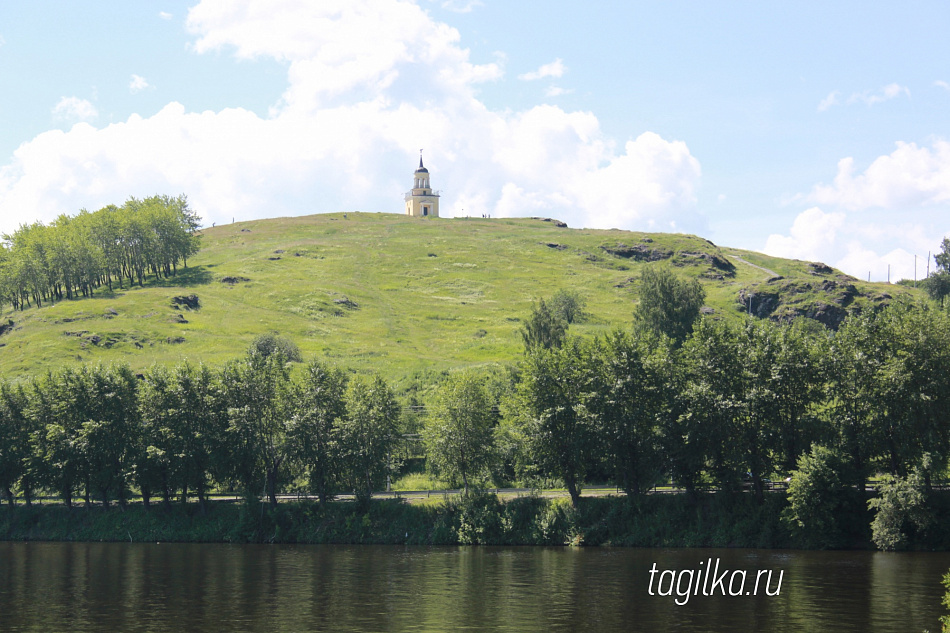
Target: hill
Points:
x,y
403,295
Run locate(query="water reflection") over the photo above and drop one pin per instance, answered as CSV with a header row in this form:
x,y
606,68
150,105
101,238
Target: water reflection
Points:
x,y
152,587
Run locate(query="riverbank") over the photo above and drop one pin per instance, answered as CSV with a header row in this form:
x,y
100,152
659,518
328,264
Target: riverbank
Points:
x,y
712,520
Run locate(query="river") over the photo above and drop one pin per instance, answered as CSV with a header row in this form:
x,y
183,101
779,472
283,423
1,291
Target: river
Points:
x,y
187,587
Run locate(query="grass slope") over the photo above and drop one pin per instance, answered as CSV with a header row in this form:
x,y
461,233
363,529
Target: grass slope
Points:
x,y
386,292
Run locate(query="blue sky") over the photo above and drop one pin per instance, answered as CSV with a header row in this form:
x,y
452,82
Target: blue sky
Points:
x,y
816,130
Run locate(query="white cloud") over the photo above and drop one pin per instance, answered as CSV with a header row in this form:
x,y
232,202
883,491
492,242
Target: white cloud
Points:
x,y
556,91
369,82
812,232
886,93
74,109
138,84
830,100
554,69
164,15
2,41
868,97
942,84
858,247
461,6
908,176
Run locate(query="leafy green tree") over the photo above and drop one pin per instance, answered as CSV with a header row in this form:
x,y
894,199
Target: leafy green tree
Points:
x,y
817,497
255,389
900,508
368,435
633,407
58,404
668,305
14,441
911,392
717,414
557,426
318,405
568,306
543,329
105,438
458,431
182,441
854,360
267,344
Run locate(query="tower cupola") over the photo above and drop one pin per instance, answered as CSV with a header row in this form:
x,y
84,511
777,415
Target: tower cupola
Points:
x,y
421,201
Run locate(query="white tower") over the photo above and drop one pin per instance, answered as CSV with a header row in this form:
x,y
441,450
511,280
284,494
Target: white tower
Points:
x,y
421,201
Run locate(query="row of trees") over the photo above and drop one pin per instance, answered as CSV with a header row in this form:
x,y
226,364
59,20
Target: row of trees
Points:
x,y
102,431
74,255
733,405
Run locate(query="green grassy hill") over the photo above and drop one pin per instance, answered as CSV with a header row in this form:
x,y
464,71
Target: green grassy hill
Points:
x,y
402,295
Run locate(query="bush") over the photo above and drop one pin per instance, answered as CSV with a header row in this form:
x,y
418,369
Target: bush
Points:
x,y
267,344
901,509
816,498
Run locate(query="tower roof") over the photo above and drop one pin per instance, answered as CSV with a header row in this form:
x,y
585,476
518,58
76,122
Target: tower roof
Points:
x,y
421,168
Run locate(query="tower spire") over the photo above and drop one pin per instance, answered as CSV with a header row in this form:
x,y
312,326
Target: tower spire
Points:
x,y
420,159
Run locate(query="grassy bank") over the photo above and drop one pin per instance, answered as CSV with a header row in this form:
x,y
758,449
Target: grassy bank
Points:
x,y
713,520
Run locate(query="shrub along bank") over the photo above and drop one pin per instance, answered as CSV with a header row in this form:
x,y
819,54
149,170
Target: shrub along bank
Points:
x,y
709,520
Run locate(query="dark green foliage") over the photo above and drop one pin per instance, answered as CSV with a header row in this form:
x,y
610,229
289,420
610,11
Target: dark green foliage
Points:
x,y
312,430
367,436
543,329
900,508
633,402
568,306
458,431
269,344
819,501
255,390
937,286
668,305
74,256
558,427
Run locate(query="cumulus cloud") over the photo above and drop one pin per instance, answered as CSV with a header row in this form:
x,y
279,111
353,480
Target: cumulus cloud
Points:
x,y
368,83
556,91
908,176
868,97
461,6
861,248
74,109
554,69
812,232
138,84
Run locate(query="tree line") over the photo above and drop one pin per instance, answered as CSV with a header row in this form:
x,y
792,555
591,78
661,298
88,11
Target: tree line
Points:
x,y
72,256
726,405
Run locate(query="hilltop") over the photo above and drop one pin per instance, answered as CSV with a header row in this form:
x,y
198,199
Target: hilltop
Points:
x,y
404,295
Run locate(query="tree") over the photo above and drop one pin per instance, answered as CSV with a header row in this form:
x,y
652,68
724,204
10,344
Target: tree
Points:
x,y
900,507
817,495
633,407
557,425
567,305
267,344
938,284
543,329
257,404
14,441
458,431
367,435
668,305
312,436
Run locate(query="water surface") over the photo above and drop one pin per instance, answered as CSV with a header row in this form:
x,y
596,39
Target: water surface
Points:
x,y
186,587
